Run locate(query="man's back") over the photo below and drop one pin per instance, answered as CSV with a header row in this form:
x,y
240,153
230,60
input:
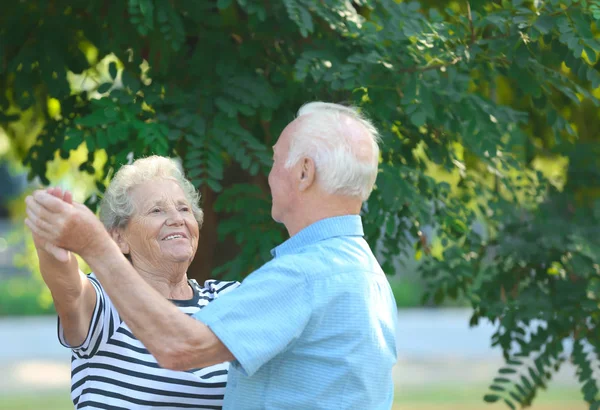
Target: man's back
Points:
x,y
323,334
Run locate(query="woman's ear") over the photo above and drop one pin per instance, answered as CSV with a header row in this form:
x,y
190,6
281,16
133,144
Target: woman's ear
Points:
x,y
119,238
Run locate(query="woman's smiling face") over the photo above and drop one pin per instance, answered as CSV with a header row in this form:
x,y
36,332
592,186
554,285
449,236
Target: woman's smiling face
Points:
x,y
163,228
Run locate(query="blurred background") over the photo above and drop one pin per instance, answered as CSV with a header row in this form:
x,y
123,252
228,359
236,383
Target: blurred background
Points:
x,y
486,211
443,362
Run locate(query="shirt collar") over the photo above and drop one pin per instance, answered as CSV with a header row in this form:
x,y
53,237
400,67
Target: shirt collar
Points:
x,y
346,225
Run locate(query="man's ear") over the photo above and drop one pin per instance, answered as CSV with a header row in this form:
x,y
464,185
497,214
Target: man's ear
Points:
x,y
119,238
308,173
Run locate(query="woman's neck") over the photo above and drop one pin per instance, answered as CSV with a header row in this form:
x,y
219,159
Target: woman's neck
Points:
x,y
171,286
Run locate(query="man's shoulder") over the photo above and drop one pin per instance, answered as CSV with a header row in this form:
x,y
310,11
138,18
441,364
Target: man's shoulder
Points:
x,y
340,254
303,263
322,263
291,265
335,255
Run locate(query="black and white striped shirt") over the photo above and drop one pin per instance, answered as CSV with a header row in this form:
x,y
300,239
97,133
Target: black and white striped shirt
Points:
x,y
113,370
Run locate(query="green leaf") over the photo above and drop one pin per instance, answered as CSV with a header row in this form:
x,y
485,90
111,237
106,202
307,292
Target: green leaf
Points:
x,y
94,119
130,81
300,15
226,106
214,185
535,377
9,118
91,146
591,53
112,70
510,404
101,138
199,126
526,383
514,362
73,141
522,55
544,24
223,4
418,118
515,396
491,398
589,388
118,132
104,88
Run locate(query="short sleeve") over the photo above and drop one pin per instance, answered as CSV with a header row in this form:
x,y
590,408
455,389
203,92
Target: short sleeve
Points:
x,y
216,288
104,322
265,315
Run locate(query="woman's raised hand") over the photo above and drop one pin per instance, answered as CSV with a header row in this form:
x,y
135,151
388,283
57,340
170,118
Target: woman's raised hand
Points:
x,y
61,224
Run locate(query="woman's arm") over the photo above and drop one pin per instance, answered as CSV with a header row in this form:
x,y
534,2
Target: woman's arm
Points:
x,y
177,341
73,294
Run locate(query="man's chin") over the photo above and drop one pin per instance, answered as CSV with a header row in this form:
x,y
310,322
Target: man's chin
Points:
x,y
275,217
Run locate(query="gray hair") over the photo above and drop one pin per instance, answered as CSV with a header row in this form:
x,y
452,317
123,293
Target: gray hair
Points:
x,y
116,208
329,139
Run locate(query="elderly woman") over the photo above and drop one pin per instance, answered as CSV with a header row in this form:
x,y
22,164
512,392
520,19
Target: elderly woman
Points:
x,y
152,213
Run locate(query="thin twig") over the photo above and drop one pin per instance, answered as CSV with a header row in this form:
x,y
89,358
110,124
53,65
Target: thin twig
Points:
x,y
428,68
470,17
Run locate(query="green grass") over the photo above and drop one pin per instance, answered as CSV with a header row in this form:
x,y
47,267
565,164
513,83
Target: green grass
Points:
x,y
435,398
464,394
45,401
471,398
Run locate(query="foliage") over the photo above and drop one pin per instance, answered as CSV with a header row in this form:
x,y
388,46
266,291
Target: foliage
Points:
x,y
471,100
29,295
22,296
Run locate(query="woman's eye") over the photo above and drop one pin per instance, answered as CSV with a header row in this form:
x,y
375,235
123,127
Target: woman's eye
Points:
x,y
155,210
185,209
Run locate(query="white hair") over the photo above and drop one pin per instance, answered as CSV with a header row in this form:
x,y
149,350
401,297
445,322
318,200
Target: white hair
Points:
x,y
116,207
343,145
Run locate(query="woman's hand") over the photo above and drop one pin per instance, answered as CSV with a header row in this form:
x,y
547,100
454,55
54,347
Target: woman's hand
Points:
x,y
61,223
41,244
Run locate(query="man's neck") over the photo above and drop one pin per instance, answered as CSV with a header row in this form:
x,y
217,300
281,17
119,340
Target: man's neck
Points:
x,y
315,211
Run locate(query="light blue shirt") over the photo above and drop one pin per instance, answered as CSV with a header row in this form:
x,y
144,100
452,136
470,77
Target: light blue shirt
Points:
x,y
314,328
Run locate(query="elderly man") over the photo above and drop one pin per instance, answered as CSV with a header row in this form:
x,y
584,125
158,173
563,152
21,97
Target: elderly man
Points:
x,y
315,327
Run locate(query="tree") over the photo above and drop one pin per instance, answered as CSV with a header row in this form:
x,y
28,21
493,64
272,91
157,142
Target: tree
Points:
x,y
473,100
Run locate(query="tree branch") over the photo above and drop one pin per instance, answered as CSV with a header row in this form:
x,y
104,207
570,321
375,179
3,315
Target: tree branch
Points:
x,y
470,17
431,67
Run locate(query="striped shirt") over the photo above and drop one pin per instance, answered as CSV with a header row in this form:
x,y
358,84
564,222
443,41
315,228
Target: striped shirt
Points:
x,y
113,370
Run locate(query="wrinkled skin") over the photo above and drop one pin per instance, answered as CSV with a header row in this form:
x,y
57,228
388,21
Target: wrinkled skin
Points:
x,y
62,224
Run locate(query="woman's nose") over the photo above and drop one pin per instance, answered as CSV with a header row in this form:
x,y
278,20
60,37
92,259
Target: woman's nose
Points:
x,y
174,218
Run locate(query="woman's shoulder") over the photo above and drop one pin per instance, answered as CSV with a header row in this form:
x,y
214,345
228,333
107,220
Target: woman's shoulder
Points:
x,y
215,286
92,278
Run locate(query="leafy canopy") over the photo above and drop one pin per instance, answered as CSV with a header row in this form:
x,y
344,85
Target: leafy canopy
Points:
x,y
489,165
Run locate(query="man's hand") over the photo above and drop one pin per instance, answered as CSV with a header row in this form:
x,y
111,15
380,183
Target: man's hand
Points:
x,y
64,224
60,254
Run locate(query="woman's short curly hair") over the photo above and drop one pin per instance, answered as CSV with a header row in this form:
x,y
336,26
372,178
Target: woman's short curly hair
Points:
x,y
116,208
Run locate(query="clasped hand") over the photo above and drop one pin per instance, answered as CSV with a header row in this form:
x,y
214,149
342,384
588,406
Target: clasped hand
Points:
x,y
59,225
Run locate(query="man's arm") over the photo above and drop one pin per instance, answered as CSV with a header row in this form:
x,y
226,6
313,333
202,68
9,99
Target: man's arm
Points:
x,y
176,340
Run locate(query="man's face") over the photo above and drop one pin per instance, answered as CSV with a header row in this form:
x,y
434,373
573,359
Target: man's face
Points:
x,y
281,180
